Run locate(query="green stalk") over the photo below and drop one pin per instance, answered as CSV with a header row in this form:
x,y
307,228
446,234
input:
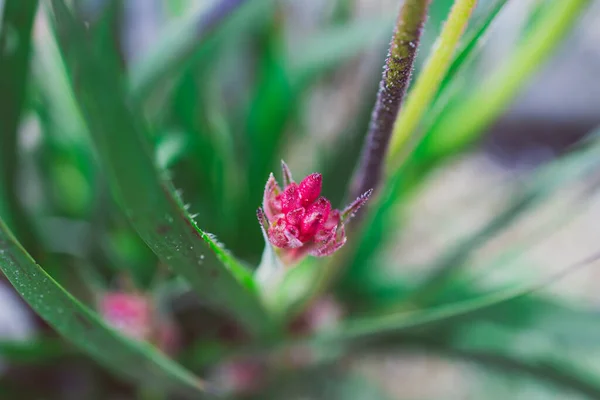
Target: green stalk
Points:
x,y
461,126
428,82
393,86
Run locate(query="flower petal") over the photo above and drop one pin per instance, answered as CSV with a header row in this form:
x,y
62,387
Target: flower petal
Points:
x,y
287,174
262,219
277,234
289,198
351,210
329,248
310,189
271,203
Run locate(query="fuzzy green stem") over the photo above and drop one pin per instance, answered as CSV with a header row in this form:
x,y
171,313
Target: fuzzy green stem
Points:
x,y
461,126
428,81
395,80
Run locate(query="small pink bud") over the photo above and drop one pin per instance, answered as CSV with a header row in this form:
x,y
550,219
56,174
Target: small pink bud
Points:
x,y
135,316
299,222
129,313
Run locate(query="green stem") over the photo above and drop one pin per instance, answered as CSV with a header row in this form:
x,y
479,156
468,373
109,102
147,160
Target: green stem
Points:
x,y
395,80
459,127
428,82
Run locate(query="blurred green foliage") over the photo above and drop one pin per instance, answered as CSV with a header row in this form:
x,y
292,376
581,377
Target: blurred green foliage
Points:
x,y
113,171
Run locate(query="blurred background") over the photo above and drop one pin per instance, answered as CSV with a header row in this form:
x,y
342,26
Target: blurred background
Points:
x,y
293,80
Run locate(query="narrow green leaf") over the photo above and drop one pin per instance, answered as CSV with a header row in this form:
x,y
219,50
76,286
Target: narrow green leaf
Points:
x,y
544,183
78,324
461,125
367,329
15,53
427,83
37,351
472,42
184,39
148,199
332,46
560,373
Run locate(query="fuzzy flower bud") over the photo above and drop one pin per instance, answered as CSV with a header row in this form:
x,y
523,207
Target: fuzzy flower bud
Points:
x,y
299,221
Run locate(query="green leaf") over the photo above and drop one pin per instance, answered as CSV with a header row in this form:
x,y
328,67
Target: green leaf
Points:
x,y
332,46
81,326
186,39
472,43
38,351
373,328
15,53
461,125
556,371
427,84
543,184
148,199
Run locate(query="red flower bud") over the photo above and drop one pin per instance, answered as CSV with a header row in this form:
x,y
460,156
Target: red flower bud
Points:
x,y
299,222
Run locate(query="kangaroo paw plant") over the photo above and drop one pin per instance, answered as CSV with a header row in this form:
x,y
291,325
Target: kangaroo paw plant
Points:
x,y
120,153
299,221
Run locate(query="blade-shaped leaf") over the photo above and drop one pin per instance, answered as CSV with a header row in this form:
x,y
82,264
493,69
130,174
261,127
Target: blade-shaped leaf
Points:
x,y
542,184
560,373
332,46
148,199
78,324
461,125
472,42
377,327
185,38
15,53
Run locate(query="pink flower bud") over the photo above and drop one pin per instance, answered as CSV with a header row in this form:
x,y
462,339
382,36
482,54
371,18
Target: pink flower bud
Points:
x,y
128,313
135,316
299,222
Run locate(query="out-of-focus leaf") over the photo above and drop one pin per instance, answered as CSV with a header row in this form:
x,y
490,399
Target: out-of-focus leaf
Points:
x,y
38,351
474,41
78,324
149,201
332,46
15,53
546,182
426,85
462,123
554,370
185,39
367,329
541,185
326,383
